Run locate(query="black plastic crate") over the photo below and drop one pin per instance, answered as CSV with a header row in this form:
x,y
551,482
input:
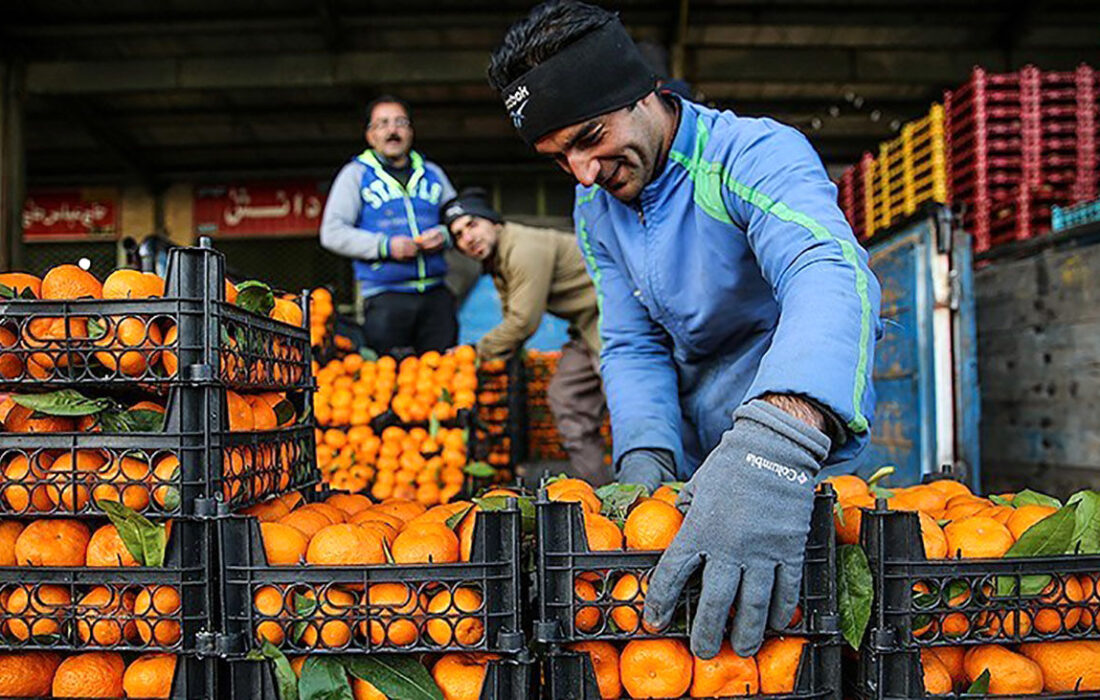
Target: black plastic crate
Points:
x,y
564,557
507,678
493,573
194,678
191,335
126,608
569,674
921,603
180,471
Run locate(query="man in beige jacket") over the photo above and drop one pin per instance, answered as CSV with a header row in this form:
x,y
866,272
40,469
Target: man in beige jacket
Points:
x,y
540,270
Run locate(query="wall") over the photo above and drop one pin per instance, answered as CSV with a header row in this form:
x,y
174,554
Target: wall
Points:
x,y
1039,365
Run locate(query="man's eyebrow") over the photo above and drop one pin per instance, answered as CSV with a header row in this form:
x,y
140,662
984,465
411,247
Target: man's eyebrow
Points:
x,y
582,132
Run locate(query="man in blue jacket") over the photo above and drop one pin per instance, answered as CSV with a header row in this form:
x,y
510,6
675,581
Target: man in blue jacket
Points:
x,y
738,314
383,212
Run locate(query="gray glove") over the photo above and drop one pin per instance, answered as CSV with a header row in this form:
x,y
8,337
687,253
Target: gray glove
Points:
x,y
749,509
648,467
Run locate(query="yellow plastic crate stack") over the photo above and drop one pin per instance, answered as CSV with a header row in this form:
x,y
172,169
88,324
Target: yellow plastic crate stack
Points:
x,y
909,171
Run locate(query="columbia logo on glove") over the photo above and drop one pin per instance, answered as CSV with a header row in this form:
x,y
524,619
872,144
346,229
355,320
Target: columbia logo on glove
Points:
x,y
780,470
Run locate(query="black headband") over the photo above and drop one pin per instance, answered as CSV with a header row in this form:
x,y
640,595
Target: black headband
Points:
x,y
601,72
472,201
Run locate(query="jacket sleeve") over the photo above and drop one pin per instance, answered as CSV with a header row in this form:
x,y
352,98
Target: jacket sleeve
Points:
x,y
339,233
777,190
636,355
528,275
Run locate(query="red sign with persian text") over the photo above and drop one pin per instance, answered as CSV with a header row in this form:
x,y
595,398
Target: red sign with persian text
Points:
x,y
70,215
259,209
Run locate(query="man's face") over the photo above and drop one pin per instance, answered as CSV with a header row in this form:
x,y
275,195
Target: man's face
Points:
x,y
390,132
475,237
618,151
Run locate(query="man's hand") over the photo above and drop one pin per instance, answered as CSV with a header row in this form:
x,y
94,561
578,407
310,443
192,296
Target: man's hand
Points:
x,y
402,248
646,467
431,240
748,515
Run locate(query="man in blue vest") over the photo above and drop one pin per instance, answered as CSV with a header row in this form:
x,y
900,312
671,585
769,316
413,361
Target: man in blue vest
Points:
x,y
383,212
738,314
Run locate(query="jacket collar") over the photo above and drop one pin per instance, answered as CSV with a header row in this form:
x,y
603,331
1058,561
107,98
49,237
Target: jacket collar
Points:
x,y
682,142
371,160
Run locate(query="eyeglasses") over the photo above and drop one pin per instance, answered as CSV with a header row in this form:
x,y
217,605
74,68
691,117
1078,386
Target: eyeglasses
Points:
x,y
399,123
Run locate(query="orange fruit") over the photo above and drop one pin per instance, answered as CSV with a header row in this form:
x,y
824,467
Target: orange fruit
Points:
x,y
364,690
588,500
53,542
167,476
24,486
307,522
350,503
404,509
426,544
602,534
725,675
269,601
92,675
451,625
1009,673
125,333
977,538
240,412
1024,517
666,494
587,617
344,544
627,588
27,674
9,533
1067,667
395,611
778,661
168,358
651,525
554,488
132,284
848,523
37,610
919,498
106,549
287,312
263,416
937,679
123,480
68,477
70,282
952,659
605,663
848,486
11,366
656,668
1058,615
284,545
950,487
157,609
329,627
150,676
933,537
19,281
101,616
461,676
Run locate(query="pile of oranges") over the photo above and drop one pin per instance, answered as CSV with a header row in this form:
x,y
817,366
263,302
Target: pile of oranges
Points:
x,y
1027,669
102,615
543,439
321,310
45,347
351,391
409,464
89,675
350,530
493,412
666,668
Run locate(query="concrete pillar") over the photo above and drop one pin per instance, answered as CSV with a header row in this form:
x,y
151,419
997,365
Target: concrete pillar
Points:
x,y
13,171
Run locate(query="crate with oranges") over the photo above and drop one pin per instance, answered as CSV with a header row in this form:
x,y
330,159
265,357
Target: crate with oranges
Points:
x,y
597,549
117,583
134,328
331,573
456,675
428,466
987,595
105,674
785,667
501,426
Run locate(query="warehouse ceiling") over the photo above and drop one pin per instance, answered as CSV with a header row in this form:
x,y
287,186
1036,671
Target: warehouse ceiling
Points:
x,y
193,90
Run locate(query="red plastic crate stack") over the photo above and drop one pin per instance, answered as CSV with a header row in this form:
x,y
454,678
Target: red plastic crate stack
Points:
x,y
1019,143
851,198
